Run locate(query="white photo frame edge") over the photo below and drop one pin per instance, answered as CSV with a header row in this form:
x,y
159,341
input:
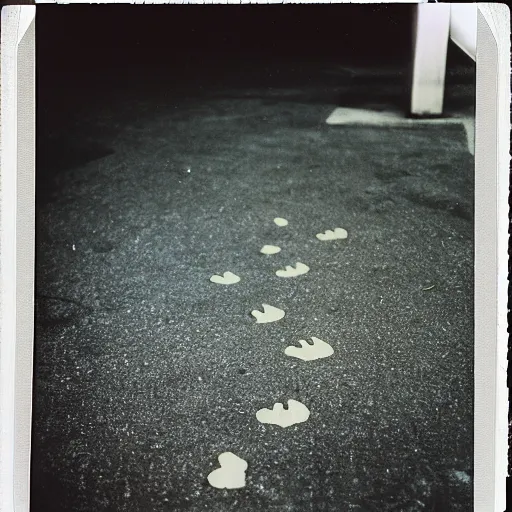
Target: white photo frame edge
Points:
x,y
17,174
492,160
17,228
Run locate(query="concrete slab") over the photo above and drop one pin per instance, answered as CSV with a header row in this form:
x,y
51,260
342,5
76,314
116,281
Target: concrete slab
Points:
x,y
367,117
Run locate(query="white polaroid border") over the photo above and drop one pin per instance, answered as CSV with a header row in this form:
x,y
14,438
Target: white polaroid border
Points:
x,y
492,159
17,228
17,201
233,2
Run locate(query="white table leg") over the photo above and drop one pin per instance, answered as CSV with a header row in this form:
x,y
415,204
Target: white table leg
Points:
x,y
463,27
431,35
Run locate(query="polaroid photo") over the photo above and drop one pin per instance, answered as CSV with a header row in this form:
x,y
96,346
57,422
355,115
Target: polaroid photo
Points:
x,y
254,257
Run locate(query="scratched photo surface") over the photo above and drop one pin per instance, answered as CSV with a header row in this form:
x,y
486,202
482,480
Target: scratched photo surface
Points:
x,y
241,306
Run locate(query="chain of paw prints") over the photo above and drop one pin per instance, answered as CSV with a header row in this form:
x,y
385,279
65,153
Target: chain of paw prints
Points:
x,y
231,474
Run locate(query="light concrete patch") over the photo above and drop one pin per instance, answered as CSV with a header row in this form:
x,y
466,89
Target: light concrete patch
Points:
x,y
366,117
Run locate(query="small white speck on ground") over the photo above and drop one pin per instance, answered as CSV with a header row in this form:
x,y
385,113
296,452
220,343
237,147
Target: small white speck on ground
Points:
x,y
462,476
74,248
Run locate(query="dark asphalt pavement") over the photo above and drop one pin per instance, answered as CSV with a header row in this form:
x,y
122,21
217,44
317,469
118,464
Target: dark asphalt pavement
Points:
x,y
146,371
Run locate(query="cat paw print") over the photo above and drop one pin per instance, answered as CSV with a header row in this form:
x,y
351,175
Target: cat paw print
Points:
x,y
336,234
226,278
290,271
269,314
309,352
279,221
297,412
231,474
270,249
